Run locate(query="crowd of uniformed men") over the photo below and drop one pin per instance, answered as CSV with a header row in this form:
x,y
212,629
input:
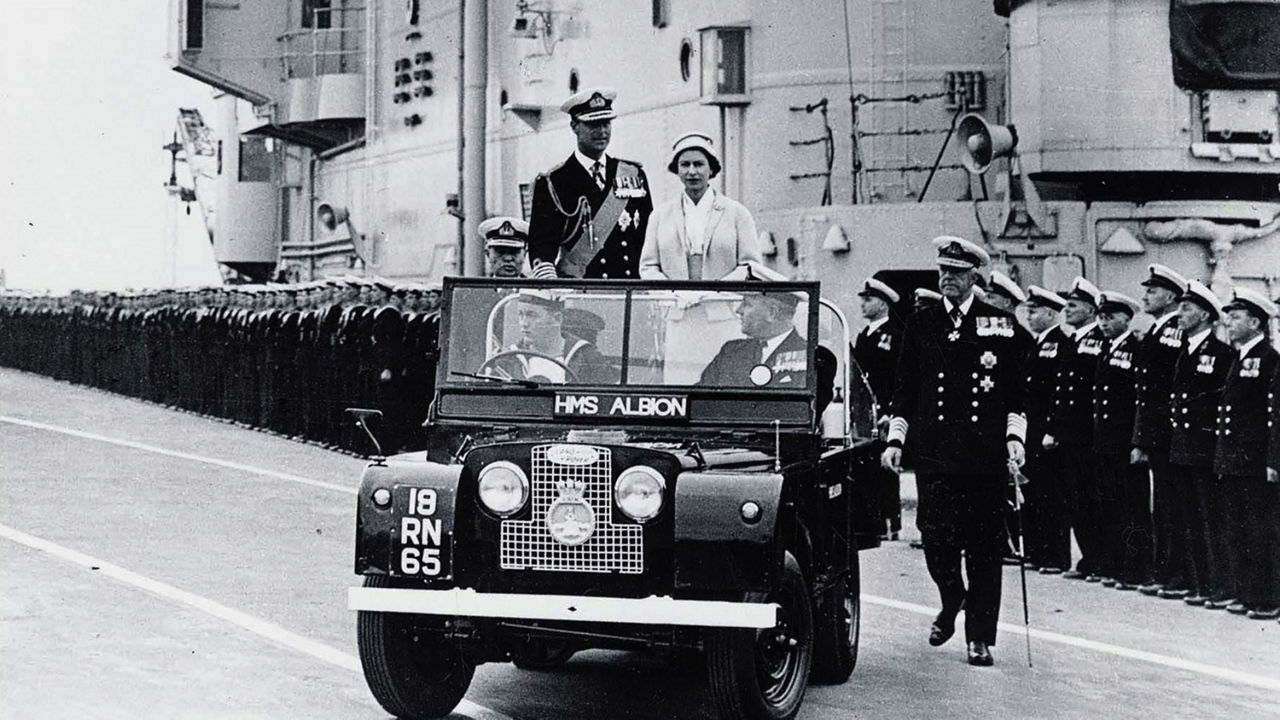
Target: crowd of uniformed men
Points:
x,y
1159,452
285,358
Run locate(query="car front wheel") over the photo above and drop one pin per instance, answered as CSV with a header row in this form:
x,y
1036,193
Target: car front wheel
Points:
x,y
413,672
762,674
837,622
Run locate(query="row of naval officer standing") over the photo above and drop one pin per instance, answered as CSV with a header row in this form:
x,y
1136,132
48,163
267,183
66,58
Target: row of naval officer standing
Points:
x,y
1111,418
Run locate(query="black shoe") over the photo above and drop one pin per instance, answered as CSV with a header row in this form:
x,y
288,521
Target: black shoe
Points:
x,y
1122,585
1152,589
1074,575
1050,571
1171,594
917,545
1108,582
941,631
1092,578
1238,608
979,654
1267,613
1196,599
1220,603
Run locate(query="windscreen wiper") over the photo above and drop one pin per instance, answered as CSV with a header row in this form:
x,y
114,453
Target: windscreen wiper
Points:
x,y
504,380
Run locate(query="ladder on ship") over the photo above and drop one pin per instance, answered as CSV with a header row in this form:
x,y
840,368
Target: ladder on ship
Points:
x,y
890,59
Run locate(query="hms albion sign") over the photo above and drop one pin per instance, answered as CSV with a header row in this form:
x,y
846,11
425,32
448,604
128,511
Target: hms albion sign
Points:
x,y
620,406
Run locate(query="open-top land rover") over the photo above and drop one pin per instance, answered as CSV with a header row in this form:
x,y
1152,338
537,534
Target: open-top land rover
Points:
x,y
643,465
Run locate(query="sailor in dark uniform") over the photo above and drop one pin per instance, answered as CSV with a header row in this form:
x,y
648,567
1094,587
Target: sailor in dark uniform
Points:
x,y
1124,494
589,212
1046,514
1198,379
876,351
1072,427
1250,550
506,240
545,352
1003,293
1157,354
960,394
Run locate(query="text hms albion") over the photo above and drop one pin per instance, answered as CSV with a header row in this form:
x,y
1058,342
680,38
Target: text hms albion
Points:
x,y
629,406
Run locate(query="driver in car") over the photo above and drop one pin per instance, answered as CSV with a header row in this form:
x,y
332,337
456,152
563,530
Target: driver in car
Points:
x,y
551,347
772,354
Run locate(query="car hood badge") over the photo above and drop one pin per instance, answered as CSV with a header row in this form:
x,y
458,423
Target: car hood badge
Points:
x,y
570,519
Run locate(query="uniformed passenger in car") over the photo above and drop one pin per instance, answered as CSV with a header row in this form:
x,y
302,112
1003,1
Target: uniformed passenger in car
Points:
x,y
551,347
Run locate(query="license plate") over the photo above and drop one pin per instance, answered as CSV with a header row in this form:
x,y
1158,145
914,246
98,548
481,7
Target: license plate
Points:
x,y
420,543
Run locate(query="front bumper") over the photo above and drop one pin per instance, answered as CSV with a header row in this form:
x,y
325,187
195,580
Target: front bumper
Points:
x,y
652,610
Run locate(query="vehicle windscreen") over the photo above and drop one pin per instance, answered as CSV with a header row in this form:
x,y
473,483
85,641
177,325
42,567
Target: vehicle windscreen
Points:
x,y
623,337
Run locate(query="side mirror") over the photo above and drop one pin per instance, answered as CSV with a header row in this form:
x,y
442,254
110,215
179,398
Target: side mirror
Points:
x,y
362,416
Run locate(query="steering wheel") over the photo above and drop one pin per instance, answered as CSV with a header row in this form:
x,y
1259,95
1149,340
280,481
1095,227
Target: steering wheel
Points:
x,y
492,363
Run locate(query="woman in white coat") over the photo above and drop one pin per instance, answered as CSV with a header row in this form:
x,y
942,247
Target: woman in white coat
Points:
x,y
700,235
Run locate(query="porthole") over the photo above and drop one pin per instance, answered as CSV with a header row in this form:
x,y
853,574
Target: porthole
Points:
x,y
686,59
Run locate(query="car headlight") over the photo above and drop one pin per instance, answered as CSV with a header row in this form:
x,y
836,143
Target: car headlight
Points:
x,y
503,487
638,492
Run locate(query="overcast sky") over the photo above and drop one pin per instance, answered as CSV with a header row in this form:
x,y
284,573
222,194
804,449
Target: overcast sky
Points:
x,y
86,102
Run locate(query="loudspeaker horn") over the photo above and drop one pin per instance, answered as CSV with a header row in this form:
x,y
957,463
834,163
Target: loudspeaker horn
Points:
x,y
981,143
331,216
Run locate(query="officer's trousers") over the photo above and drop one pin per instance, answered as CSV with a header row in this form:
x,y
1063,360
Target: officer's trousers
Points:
x,y
1204,576
1258,540
1124,497
963,513
1046,516
1078,474
1171,523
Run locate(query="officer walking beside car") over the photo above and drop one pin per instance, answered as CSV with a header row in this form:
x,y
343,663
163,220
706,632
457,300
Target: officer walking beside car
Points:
x,y
876,350
960,397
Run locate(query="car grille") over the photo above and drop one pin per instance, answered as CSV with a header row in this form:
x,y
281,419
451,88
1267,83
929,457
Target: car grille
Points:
x,y
528,545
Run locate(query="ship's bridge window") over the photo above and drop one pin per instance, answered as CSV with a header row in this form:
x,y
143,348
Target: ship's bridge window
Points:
x,y
316,14
257,158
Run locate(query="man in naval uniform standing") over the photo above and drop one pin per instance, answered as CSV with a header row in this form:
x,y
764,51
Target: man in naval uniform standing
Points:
x,y
876,351
1157,354
589,212
1046,514
1198,379
1249,499
960,394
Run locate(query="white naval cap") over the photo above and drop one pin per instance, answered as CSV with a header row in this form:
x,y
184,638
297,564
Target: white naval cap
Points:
x,y
1165,277
504,232
1003,284
1082,289
1037,295
1118,302
927,294
591,105
956,252
1200,295
1252,301
876,288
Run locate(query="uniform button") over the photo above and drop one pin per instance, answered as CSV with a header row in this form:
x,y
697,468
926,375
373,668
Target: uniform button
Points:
x,y
975,403
975,376
973,418
1184,411
941,389
1226,420
604,261
939,403
941,375
624,244
1104,402
604,275
939,417
1228,408
1104,416
624,257
1227,431
1186,425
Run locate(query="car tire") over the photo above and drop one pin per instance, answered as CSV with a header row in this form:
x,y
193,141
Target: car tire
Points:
x,y
762,674
413,673
837,625
542,653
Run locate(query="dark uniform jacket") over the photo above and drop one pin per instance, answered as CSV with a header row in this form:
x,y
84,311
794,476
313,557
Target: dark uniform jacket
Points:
x,y
1042,377
1273,423
731,367
1157,354
1198,379
556,225
877,356
1241,435
956,388
1115,396
1072,422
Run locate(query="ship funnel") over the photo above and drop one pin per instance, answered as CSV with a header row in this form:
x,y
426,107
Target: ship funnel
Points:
x,y
981,143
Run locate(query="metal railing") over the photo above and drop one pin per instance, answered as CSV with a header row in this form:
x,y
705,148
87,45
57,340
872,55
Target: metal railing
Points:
x,y
333,45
